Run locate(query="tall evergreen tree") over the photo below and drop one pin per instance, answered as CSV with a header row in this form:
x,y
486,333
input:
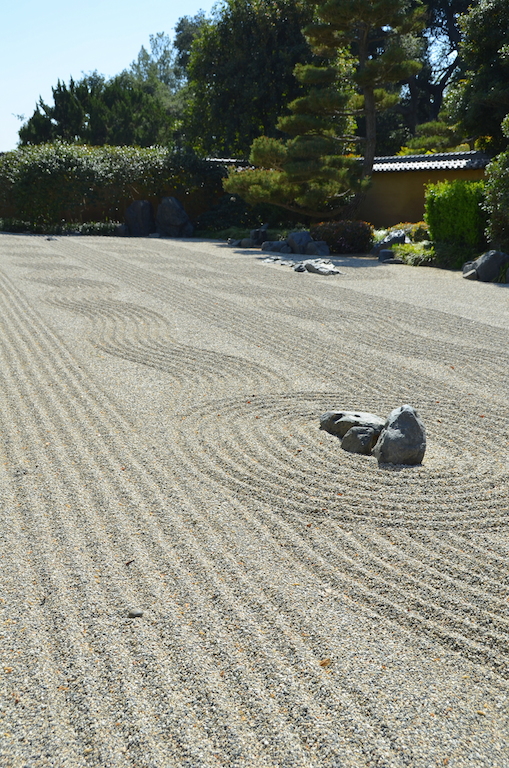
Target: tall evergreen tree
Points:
x,y
363,46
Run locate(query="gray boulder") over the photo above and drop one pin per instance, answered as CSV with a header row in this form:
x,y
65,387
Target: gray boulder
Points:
x,y
491,267
273,246
298,241
360,440
402,439
139,219
172,220
317,248
393,238
340,422
385,254
259,236
246,242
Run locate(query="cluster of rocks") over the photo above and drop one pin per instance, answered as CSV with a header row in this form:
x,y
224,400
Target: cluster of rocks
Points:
x,y
491,267
171,220
317,266
383,249
299,242
398,439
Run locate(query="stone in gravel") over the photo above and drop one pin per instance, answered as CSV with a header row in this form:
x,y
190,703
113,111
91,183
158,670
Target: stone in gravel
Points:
x,y
393,261
385,254
359,440
273,245
317,248
246,242
139,218
402,439
298,241
491,267
135,614
172,220
299,268
321,267
340,422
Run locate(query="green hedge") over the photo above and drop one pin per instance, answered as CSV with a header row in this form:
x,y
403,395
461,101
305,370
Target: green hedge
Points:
x,y
68,182
454,212
344,236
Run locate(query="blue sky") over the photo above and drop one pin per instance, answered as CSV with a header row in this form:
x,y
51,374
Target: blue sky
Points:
x,y
41,42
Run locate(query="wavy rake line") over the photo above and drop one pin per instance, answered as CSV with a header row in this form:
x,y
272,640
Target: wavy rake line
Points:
x,y
350,357
42,408
271,448
142,336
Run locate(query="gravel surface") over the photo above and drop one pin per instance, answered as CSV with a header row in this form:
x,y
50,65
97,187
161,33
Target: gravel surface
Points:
x,y
192,573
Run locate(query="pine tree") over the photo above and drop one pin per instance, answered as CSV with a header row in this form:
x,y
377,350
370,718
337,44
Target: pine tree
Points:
x,y
361,47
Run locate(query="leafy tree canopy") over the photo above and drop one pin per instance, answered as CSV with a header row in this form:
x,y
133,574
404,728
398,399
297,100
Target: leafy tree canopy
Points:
x,y
482,98
240,72
122,111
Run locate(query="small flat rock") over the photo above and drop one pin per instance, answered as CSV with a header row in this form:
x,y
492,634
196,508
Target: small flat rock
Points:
x,y
135,614
359,440
339,422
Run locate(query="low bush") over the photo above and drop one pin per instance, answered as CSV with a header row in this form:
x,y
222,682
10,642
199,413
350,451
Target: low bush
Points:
x,y
418,254
454,212
344,236
65,228
416,232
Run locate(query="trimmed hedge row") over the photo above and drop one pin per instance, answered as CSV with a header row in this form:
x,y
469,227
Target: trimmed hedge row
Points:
x,y
454,212
69,182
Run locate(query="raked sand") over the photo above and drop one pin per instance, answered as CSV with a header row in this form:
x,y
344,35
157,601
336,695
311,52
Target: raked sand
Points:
x,y
159,411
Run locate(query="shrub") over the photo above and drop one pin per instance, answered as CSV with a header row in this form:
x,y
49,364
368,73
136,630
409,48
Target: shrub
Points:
x,y
344,236
497,201
454,212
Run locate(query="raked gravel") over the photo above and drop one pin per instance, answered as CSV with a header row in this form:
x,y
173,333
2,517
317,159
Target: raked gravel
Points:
x,y
192,573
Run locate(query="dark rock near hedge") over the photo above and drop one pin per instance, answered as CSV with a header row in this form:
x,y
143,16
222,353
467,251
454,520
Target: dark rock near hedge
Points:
x,y
259,236
402,439
491,267
273,246
139,219
385,254
172,220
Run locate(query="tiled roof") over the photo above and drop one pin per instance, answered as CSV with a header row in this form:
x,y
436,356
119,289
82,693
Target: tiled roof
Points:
x,y
437,162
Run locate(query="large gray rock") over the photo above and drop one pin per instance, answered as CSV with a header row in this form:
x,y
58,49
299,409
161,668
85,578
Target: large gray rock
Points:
x,y
360,440
172,220
491,267
259,236
139,219
273,246
317,248
340,422
402,439
298,241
